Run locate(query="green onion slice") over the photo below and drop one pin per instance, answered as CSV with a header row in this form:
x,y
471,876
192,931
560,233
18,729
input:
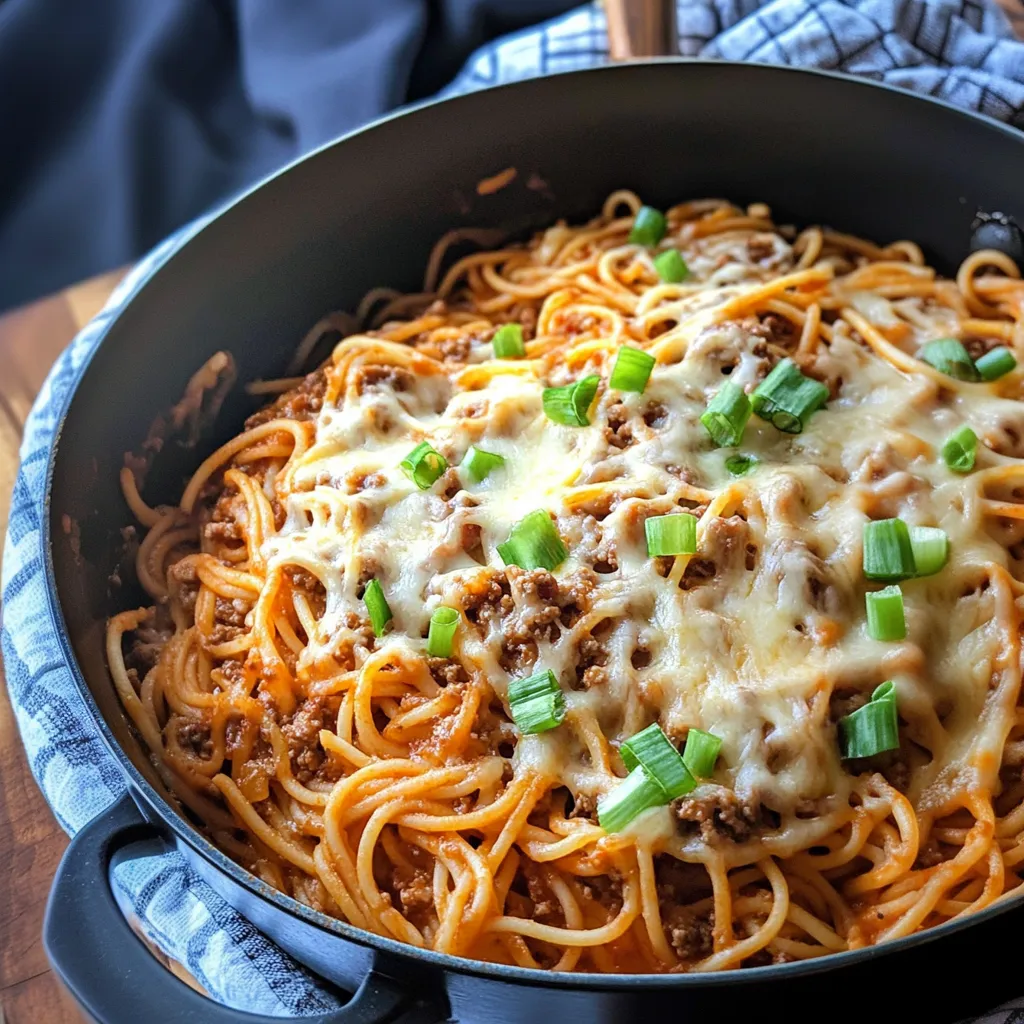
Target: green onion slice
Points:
x,y
568,405
534,543
931,549
508,342
787,398
632,369
886,620
423,465
654,751
888,554
478,463
377,606
539,714
950,357
632,796
701,753
536,702
537,685
648,226
873,728
726,415
443,624
959,449
671,266
738,465
997,363
674,534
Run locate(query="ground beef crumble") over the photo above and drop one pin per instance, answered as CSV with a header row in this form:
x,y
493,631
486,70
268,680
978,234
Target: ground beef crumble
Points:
x,y
414,891
302,731
447,671
583,806
619,433
195,736
143,648
689,934
301,403
591,659
545,905
383,378
720,815
231,612
773,328
541,607
488,599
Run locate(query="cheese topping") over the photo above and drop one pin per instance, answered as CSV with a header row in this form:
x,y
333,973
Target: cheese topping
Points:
x,y
750,638
328,752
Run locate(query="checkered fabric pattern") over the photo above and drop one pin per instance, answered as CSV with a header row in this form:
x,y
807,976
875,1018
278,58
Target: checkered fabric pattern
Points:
x,y
960,50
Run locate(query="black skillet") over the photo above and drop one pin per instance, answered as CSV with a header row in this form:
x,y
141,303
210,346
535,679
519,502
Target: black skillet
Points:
x,y
364,212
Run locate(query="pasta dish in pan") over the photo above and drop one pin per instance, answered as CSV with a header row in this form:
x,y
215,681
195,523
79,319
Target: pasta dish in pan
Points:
x,y
645,597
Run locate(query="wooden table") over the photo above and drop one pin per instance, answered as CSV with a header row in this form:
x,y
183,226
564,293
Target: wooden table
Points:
x,y
31,842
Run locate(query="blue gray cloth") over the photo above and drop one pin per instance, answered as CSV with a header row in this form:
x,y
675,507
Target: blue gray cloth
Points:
x,y
961,50
159,109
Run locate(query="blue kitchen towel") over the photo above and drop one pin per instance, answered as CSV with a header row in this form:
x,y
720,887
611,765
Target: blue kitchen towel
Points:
x,y
960,50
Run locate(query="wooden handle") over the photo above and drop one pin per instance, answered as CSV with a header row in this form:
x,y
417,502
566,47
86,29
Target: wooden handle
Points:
x,y
641,28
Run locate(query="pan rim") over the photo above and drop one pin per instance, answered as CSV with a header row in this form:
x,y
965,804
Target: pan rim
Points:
x,y
137,784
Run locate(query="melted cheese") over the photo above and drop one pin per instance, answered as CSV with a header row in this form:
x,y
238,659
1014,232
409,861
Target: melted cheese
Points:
x,y
752,654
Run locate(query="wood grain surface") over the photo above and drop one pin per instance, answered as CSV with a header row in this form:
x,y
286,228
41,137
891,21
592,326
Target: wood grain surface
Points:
x,y
31,842
1015,12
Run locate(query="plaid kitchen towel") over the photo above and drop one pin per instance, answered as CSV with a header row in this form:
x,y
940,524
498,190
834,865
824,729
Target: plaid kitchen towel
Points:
x,y
960,50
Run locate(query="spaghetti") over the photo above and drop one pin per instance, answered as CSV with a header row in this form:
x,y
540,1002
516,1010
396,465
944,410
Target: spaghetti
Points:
x,y
366,778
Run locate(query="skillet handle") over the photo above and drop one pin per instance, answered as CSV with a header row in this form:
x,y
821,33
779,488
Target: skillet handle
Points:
x,y
112,974
641,28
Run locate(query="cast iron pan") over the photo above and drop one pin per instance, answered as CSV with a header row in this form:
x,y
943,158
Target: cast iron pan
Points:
x,y
364,212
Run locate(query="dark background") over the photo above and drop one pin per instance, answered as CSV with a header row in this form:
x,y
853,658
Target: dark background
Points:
x,y
120,120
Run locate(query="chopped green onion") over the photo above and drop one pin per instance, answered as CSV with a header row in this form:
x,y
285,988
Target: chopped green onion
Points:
x,y
635,794
568,405
959,449
951,358
931,549
738,465
478,463
726,415
652,749
873,728
671,267
648,226
701,753
997,363
632,369
888,554
377,606
423,465
885,614
537,685
539,714
786,398
674,534
534,543
508,342
536,702
443,624
892,551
